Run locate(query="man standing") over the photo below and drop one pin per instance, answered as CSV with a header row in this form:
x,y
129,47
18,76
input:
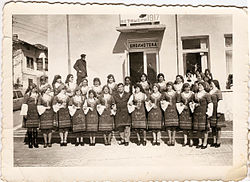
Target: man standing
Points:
x,y
80,67
122,117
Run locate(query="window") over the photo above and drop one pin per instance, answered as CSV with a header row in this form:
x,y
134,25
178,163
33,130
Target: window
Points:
x,y
19,94
39,62
229,54
30,81
46,64
14,95
30,62
195,53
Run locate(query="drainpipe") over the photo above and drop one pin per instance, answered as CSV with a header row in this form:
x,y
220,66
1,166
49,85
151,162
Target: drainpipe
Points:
x,y
68,44
177,42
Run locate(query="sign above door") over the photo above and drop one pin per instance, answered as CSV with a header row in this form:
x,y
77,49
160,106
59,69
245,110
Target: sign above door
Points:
x,y
143,44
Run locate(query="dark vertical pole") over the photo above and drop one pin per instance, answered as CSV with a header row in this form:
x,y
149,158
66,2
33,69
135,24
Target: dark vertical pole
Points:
x,y
177,42
68,45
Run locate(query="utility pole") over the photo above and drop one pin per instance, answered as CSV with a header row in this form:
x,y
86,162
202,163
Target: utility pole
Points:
x,y
68,45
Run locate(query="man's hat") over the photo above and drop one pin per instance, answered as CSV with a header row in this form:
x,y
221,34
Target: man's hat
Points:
x,y
83,55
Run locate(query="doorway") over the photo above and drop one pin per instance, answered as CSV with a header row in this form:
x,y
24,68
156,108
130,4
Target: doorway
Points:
x,y
136,66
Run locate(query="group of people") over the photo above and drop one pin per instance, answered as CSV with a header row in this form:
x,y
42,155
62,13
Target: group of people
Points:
x,y
191,104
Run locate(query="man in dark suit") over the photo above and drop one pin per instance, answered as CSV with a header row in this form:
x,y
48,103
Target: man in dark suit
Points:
x,y
122,117
81,69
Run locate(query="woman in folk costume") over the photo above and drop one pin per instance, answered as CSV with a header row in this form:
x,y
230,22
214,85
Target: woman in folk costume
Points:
x,y
128,85
155,114
203,110
185,108
106,109
84,87
217,121
30,114
44,107
56,83
136,106
70,85
161,82
76,106
60,107
189,78
97,88
111,83
170,112
91,116
122,117
178,83
144,83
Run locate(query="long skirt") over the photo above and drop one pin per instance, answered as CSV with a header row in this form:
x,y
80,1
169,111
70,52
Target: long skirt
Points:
x,y
64,119
139,118
186,120
79,121
155,118
92,121
32,120
171,116
47,119
106,121
200,119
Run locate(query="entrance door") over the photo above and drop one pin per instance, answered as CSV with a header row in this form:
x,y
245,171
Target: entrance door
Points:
x,y
151,67
136,66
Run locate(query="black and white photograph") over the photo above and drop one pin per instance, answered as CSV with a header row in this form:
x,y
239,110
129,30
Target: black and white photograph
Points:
x,y
100,90
158,85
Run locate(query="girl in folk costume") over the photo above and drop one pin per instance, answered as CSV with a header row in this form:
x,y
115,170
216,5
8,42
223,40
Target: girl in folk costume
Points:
x,y
189,78
218,119
44,107
106,110
30,114
155,114
78,117
128,85
84,87
97,88
111,83
60,107
56,83
208,75
144,83
136,106
91,116
170,112
202,111
43,83
70,85
161,82
185,108
178,83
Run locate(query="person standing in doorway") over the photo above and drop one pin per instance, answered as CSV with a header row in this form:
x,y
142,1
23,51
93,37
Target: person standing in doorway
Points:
x,y
81,69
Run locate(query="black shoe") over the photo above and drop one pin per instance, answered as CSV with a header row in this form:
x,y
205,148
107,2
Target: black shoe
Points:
x,y
45,145
36,145
82,143
169,143
61,144
144,143
158,143
217,145
173,143
122,142
93,144
213,145
191,145
49,145
65,144
198,146
184,144
203,147
126,143
153,143
77,144
30,145
138,143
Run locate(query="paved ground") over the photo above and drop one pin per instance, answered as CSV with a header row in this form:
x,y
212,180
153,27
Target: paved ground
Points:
x,y
101,155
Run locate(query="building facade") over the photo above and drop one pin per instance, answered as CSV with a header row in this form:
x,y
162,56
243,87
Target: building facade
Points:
x,y
29,63
129,45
